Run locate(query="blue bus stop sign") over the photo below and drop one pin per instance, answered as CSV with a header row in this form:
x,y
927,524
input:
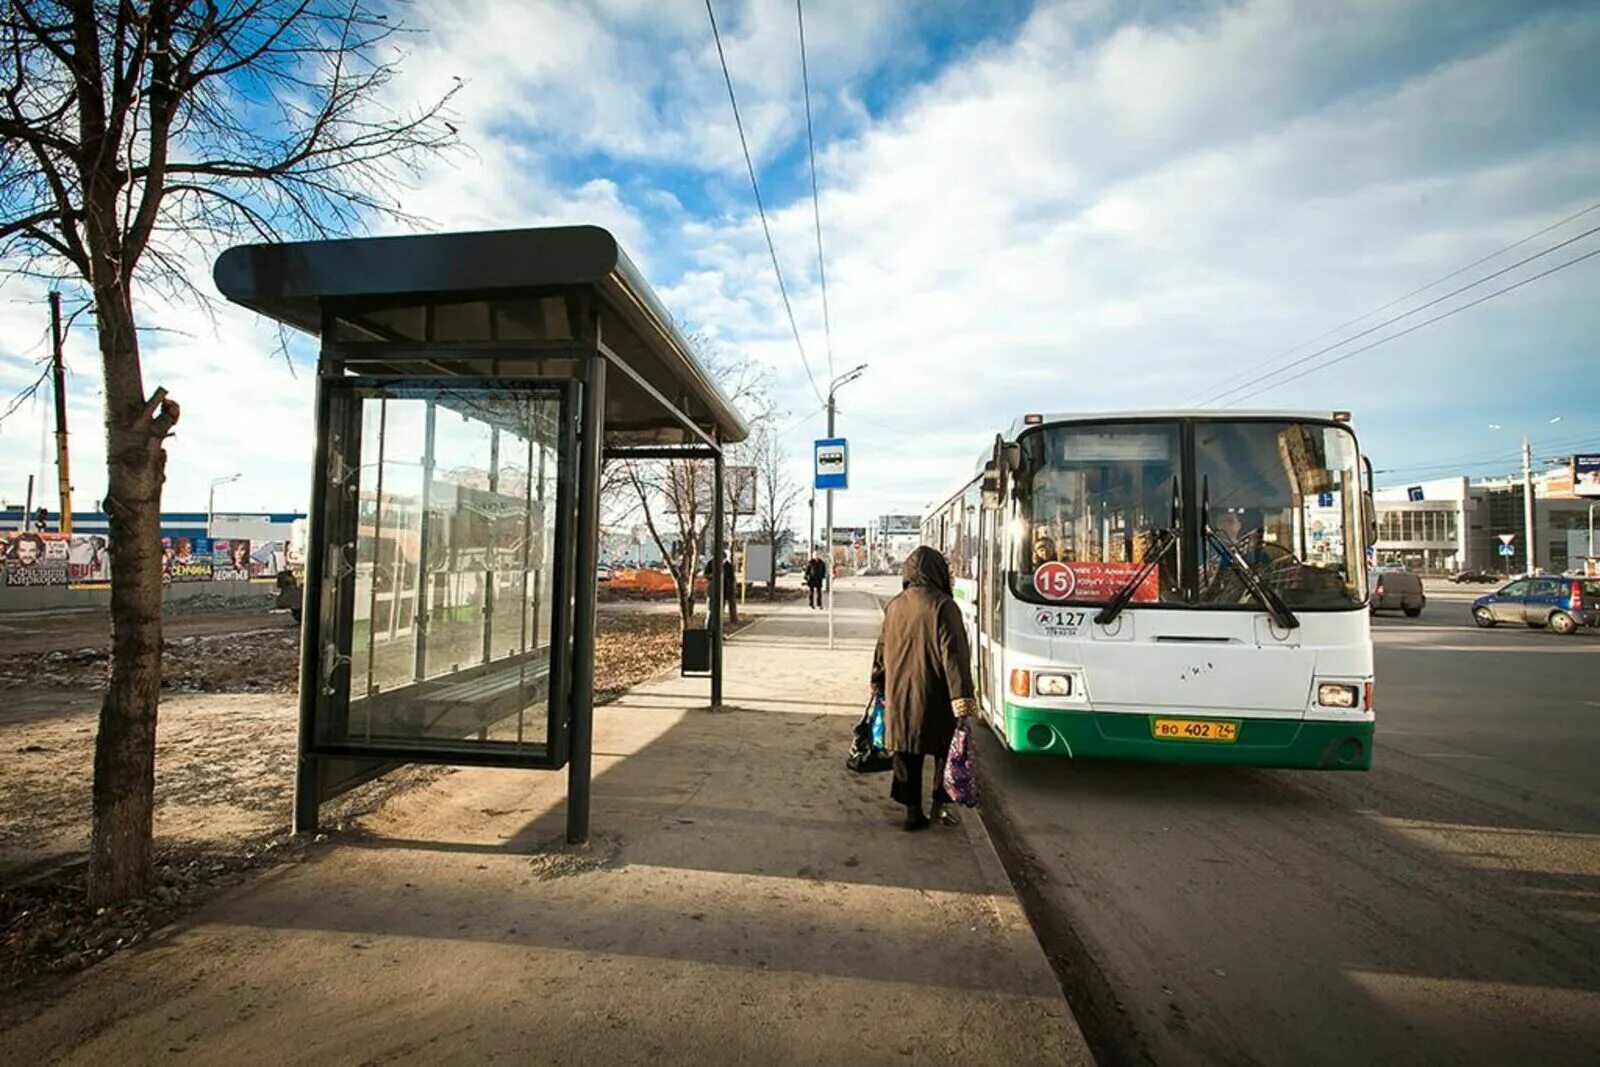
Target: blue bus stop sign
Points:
x,y
831,469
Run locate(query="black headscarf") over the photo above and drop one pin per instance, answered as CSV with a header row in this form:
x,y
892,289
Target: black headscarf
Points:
x,y
926,566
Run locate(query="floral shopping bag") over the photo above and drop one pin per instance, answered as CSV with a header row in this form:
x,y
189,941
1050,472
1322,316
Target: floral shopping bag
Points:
x,y
960,770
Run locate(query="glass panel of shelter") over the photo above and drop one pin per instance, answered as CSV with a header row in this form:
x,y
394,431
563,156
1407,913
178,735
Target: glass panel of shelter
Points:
x,y
438,616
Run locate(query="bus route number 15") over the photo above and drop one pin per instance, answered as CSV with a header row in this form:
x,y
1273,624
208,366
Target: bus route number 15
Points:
x,y
1055,580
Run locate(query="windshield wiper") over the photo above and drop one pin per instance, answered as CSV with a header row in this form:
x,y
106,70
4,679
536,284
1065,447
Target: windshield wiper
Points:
x,y
1108,614
1249,575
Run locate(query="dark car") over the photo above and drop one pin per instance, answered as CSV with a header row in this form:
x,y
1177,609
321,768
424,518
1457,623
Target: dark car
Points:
x,y
1563,604
1473,578
1396,589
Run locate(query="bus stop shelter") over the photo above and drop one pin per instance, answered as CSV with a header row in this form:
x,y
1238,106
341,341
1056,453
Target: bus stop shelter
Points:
x,y
469,388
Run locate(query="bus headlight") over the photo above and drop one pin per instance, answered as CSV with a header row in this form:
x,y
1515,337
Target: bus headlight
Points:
x,y
1048,684
1337,695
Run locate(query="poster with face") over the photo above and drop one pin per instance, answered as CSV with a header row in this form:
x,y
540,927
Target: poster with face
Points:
x,y
33,558
89,560
186,559
230,559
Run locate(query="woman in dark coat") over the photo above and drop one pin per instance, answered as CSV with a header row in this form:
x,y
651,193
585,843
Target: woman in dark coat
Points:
x,y
922,669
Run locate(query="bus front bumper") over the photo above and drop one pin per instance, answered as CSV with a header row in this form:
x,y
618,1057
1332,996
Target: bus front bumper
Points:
x,y
1286,742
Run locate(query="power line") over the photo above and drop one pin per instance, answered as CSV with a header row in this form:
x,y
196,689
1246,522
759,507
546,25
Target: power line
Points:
x,y
816,204
755,188
1564,442
1212,392
1426,322
1396,318
796,423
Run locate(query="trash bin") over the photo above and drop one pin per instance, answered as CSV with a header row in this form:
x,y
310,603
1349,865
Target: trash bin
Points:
x,y
696,651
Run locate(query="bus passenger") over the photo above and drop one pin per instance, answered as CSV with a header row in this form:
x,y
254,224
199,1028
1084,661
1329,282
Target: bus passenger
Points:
x,y
921,670
1044,550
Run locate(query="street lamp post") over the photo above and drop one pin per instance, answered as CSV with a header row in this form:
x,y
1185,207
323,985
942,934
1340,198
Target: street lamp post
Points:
x,y
1592,531
834,386
1527,492
211,498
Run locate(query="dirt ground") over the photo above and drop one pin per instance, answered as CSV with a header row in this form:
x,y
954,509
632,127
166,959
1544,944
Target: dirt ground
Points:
x,y
225,749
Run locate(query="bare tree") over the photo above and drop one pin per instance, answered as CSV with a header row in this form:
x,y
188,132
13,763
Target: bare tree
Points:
x,y
776,496
672,498
134,134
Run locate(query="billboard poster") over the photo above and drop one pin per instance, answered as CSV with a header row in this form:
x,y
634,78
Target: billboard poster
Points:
x,y
186,559
900,525
1586,475
89,561
35,558
267,558
230,559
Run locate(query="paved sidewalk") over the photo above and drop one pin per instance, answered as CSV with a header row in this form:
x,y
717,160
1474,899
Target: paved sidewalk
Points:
x,y
745,900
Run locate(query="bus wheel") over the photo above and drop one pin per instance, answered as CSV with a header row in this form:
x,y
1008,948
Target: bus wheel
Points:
x,y
1483,617
1562,623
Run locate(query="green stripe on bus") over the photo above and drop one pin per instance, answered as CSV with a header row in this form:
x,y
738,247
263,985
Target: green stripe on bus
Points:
x,y
1130,736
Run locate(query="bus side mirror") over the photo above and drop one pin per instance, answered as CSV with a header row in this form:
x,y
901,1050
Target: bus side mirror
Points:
x,y
1369,512
991,486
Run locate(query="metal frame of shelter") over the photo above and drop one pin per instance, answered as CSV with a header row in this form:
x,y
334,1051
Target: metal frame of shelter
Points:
x,y
469,388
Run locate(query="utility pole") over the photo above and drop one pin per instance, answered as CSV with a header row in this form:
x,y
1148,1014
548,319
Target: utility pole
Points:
x,y
58,373
1527,499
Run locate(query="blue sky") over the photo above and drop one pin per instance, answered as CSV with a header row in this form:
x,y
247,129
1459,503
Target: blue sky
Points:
x,y
1086,206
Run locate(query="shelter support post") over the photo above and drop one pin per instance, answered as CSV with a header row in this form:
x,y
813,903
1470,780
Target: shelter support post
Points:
x,y
307,794
581,738
715,589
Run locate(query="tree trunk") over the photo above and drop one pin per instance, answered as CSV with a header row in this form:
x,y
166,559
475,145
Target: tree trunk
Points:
x,y
125,748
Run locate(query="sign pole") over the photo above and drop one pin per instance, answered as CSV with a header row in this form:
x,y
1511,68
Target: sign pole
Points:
x,y
828,544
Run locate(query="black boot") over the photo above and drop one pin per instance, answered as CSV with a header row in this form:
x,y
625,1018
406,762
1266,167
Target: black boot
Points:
x,y
915,820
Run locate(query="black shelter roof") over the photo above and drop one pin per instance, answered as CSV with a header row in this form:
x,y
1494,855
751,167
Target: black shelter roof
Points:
x,y
496,286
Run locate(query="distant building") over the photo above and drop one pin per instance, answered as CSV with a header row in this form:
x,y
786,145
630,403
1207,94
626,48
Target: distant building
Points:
x,y
1446,525
254,526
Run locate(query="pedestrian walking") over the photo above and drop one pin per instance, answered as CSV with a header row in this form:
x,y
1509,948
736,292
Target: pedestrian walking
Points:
x,y
923,672
814,575
730,593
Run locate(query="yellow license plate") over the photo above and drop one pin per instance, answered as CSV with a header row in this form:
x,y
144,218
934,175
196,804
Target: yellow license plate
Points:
x,y
1195,730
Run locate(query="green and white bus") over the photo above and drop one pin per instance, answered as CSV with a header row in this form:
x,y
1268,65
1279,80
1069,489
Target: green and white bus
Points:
x,y
1174,586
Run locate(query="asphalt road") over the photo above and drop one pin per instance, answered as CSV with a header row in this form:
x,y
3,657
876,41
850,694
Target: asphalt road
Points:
x,y
1442,908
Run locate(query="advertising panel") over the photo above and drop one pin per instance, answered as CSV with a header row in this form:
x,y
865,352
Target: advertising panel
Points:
x,y
186,559
230,559
1586,475
900,525
34,558
89,561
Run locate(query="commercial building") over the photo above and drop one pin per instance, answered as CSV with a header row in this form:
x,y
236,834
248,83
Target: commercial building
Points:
x,y
1447,525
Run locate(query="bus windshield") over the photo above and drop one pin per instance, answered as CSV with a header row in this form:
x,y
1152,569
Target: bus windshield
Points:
x,y
1103,505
